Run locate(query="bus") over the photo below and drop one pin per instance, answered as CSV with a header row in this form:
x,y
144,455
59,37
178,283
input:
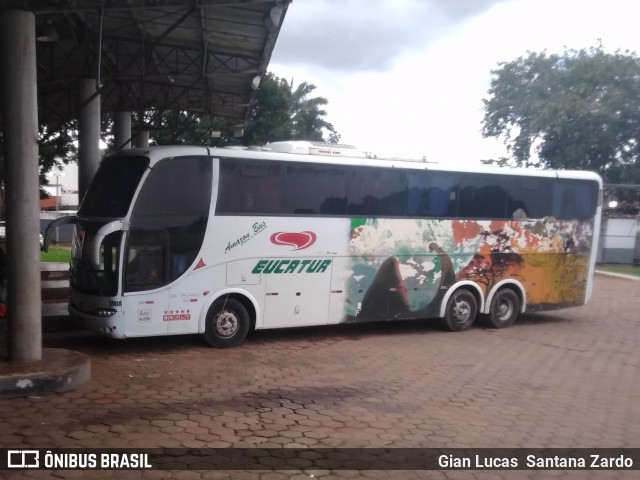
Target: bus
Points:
x,y
224,241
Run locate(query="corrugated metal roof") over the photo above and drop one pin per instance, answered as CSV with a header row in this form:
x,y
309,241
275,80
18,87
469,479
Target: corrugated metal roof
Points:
x,y
199,55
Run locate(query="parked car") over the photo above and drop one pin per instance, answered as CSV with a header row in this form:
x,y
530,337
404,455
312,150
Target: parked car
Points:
x,y
3,234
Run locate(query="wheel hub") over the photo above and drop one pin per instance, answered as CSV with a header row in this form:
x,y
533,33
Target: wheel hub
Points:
x,y
226,324
461,311
504,310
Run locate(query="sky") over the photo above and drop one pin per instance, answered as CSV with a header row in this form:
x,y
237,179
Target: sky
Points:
x,y
409,76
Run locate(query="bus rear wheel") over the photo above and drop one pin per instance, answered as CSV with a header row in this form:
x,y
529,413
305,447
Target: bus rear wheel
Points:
x,y
461,311
227,323
504,309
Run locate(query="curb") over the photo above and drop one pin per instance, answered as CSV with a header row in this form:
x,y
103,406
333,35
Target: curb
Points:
x,y
617,275
59,371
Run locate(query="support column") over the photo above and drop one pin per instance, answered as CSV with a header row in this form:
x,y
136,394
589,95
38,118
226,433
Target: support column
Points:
x,y
88,134
122,130
142,138
20,114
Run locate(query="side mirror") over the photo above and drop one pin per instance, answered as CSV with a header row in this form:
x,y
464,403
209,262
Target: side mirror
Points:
x,y
99,237
58,222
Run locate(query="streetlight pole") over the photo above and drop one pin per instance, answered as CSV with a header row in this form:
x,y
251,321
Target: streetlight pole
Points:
x,y
57,205
59,192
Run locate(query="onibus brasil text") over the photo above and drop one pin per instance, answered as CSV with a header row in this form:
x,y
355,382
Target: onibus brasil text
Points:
x,y
113,461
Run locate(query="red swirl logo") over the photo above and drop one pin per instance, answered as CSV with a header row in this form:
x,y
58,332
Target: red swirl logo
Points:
x,y
299,240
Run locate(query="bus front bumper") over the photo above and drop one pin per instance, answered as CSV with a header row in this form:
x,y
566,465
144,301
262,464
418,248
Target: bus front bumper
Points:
x,y
111,326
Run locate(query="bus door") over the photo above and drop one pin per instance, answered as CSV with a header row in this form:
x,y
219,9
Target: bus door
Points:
x,y
296,292
185,299
145,301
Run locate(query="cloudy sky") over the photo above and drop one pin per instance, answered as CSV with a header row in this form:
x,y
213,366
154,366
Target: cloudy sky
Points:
x,y
409,76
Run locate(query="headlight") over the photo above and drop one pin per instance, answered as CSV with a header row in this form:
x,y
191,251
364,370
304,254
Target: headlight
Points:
x,y
103,312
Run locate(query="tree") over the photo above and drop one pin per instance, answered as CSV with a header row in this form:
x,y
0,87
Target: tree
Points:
x,y
281,112
285,113
56,146
577,110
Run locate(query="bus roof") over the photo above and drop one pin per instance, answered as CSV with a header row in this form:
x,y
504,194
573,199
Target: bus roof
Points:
x,y
318,152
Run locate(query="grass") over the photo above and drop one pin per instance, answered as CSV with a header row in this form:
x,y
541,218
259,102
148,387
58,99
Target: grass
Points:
x,y
633,270
57,253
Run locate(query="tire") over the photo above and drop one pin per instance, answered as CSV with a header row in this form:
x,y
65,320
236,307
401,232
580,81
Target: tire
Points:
x,y
461,311
504,309
227,323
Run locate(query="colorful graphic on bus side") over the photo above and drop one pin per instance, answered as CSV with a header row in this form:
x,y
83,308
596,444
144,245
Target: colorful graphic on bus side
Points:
x,y
399,270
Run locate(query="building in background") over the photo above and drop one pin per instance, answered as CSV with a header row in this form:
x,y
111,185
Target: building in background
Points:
x,y
62,188
63,200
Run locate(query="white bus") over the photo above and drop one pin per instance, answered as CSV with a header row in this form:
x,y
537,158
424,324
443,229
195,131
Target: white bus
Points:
x,y
183,240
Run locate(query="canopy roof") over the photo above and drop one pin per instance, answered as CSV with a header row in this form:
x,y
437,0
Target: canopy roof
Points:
x,y
203,56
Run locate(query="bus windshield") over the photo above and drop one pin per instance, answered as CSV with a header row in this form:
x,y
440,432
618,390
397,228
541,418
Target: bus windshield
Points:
x,y
87,278
113,187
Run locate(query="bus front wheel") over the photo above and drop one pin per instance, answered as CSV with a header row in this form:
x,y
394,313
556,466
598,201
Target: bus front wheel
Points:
x,y
504,309
461,311
227,323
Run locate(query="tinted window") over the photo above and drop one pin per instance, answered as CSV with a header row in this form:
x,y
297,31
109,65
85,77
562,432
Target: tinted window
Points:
x,y
316,189
168,222
113,186
482,196
101,279
377,192
550,197
258,187
574,200
250,187
528,197
432,194
147,265
175,188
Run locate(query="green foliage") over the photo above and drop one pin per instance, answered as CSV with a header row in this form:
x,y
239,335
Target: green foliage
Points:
x,y
176,127
56,146
578,110
186,128
285,113
633,270
281,112
57,253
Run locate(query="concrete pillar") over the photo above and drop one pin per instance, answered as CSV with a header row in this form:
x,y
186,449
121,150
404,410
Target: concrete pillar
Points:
x,y
122,130
142,138
20,114
88,134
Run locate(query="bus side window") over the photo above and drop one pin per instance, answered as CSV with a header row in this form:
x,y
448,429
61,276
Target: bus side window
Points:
x,y
432,194
145,260
230,195
442,202
376,193
315,189
574,201
269,191
533,196
482,197
442,195
169,218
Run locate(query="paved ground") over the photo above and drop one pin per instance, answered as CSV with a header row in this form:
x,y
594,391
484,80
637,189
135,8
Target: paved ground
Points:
x,y
563,379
